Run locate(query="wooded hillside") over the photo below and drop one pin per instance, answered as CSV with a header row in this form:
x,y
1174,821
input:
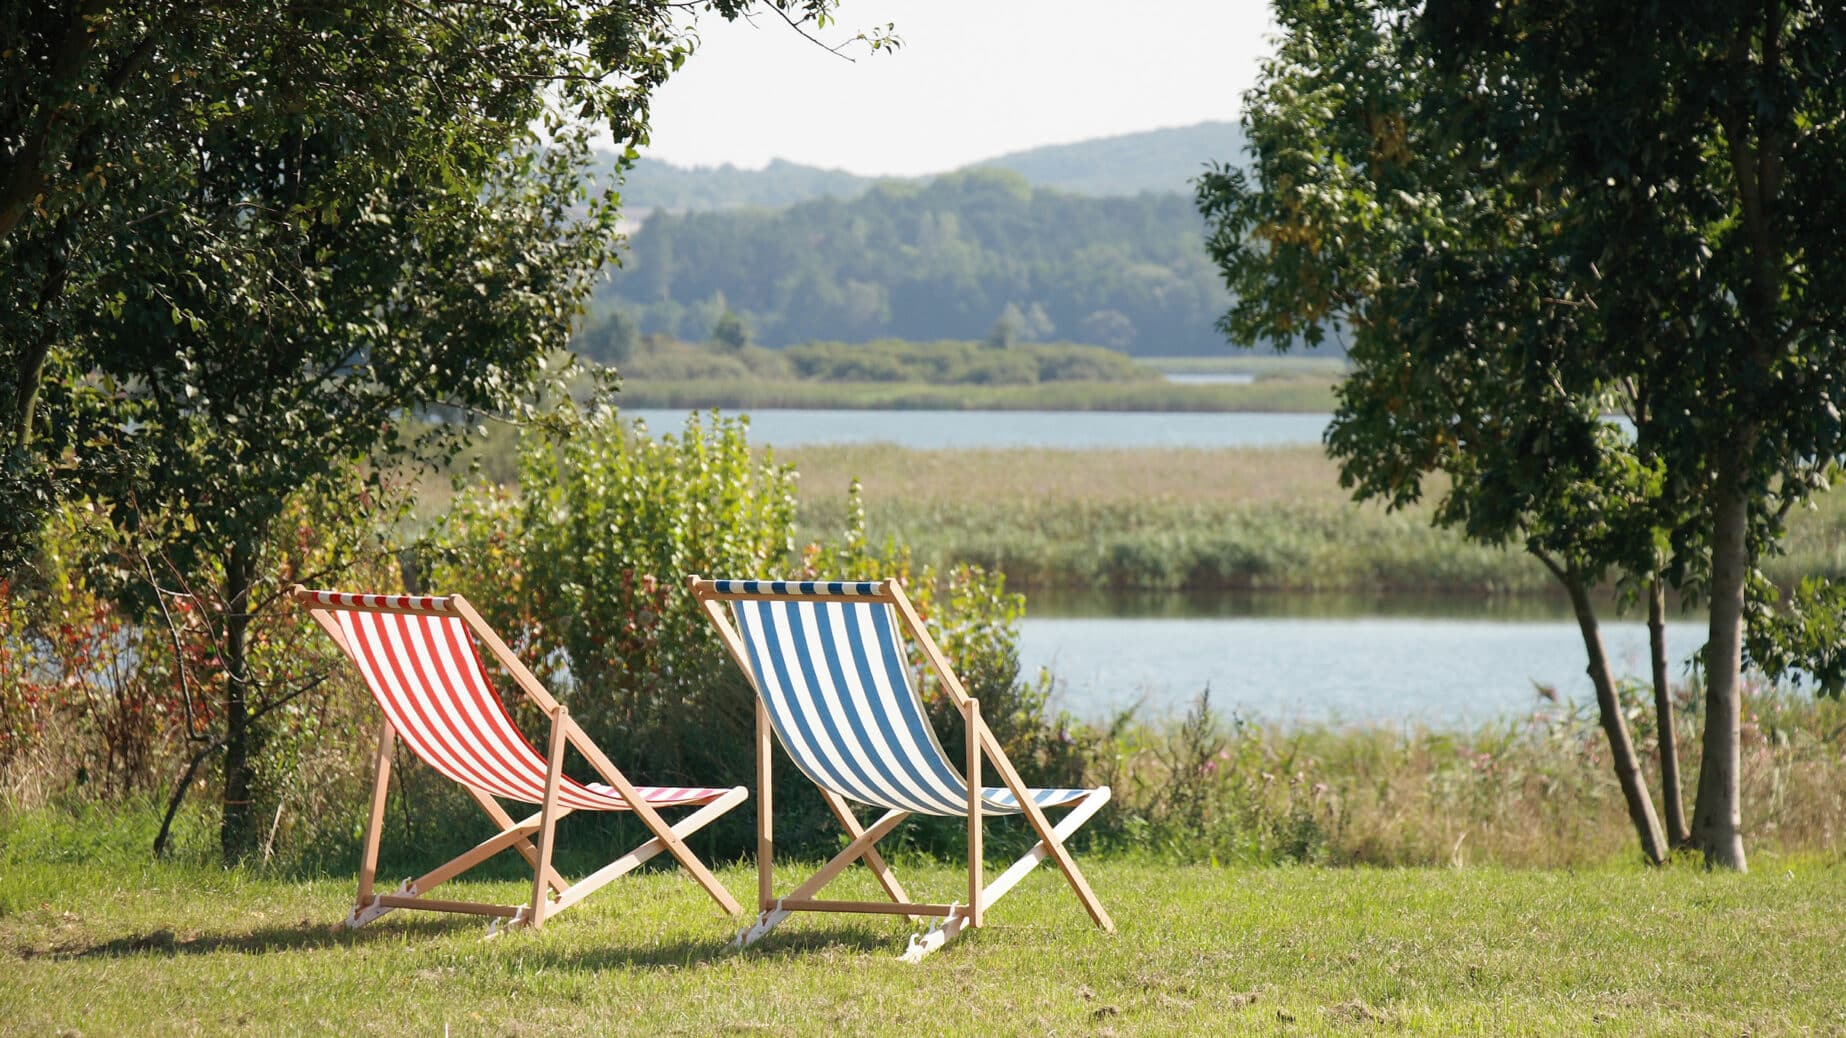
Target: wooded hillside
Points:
x,y
952,258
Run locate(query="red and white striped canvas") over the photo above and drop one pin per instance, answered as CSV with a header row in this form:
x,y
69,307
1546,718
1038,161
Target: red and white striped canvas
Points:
x,y
426,673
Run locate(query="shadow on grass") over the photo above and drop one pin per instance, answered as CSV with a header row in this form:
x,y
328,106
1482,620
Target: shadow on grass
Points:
x,y
307,935
562,953
792,945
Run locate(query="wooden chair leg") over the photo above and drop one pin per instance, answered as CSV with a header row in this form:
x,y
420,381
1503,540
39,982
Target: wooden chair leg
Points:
x,y
765,817
873,860
1035,816
374,829
974,812
523,846
651,818
560,723
773,915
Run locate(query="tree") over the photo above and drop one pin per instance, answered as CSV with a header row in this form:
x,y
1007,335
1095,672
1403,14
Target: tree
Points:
x,y
927,261
1525,228
610,339
260,245
729,332
315,313
1110,328
103,104
1006,329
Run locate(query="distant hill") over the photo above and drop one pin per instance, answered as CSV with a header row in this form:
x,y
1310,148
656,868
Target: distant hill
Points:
x,y
655,185
1156,160
1160,161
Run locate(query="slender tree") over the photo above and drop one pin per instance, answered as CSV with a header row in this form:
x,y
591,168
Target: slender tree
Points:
x,y
1529,219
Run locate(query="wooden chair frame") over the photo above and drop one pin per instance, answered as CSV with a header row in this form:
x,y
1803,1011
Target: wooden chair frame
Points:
x,y
982,747
551,893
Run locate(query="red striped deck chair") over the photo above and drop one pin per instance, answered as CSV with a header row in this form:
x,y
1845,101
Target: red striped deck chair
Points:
x,y
834,687
419,657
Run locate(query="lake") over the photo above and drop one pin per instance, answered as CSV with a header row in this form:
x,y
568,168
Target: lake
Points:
x,y
1077,430
1314,658
1277,657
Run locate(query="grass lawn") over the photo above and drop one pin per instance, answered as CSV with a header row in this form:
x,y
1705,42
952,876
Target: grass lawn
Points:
x,y
1616,950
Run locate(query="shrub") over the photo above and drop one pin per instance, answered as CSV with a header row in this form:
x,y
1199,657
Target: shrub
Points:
x,y
585,575
961,363
109,685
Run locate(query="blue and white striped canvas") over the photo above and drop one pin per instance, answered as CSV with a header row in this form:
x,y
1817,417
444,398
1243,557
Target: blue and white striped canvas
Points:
x,y
839,695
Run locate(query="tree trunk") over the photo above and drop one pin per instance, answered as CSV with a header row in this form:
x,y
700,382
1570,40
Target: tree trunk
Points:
x,y
1670,793
237,829
1717,816
1614,725
29,364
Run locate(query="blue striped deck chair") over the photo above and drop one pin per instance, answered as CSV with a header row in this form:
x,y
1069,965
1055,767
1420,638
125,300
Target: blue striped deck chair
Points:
x,y
833,684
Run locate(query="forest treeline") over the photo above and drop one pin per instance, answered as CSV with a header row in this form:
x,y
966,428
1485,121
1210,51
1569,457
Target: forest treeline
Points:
x,y
954,258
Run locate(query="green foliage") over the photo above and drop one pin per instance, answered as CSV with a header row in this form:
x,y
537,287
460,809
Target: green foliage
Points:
x,y
1167,545
662,359
610,340
245,171
1802,635
112,704
650,184
1527,792
1527,229
1266,518
930,261
246,246
609,525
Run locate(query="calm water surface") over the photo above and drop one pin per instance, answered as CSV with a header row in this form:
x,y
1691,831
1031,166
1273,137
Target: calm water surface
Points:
x,y
1077,430
1310,658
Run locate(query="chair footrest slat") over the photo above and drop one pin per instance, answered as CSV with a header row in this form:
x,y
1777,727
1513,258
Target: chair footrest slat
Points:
x,y
870,907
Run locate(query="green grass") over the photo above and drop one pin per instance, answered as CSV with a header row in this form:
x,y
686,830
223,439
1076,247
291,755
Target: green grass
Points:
x,y
157,950
1311,392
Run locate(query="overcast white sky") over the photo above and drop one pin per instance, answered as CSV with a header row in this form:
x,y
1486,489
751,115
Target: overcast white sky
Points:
x,y
974,79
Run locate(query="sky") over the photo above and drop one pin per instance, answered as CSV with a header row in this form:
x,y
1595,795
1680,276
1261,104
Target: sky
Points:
x,y
974,79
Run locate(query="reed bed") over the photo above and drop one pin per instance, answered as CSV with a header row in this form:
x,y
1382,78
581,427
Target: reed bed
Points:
x,y
1188,519
1530,791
